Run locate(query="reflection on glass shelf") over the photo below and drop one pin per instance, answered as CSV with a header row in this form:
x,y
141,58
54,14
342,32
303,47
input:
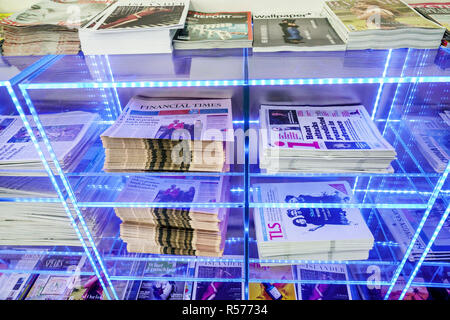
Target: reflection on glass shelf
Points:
x,y
266,69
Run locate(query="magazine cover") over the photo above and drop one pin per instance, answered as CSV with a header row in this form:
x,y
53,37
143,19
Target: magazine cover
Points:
x,y
219,290
291,34
288,129
15,286
135,15
325,290
146,118
308,224
72,14
223,26
361,15
438,12
163,289
271,291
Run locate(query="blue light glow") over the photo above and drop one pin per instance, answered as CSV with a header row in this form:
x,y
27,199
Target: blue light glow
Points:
x,y
55,184
427,248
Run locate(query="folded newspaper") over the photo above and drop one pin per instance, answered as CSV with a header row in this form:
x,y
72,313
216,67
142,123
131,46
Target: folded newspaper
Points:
x,y
170,135
322,139
69,134
183,230
298,231
432,136
140,26
49,27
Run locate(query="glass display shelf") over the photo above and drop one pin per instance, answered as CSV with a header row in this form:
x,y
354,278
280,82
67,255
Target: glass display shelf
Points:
x,y
348,67
392,84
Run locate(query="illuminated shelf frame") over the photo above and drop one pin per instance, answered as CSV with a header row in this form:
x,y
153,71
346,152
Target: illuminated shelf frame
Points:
x,y
246,83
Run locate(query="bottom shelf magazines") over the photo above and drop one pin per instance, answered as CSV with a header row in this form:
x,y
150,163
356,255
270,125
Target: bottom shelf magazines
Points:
x,y
327,288
232,289
267,290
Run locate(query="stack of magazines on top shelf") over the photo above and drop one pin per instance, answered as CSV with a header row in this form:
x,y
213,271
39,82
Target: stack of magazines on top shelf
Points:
x,y
48,27
438,12
294,232
180,230
382,24
215,30
322,139
134,27
170,135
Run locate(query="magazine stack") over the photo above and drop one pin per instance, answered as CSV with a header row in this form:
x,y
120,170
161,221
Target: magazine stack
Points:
x,y
69,133
170,135
134,27
299,229
43,223
382,24
322,139
215,30
180,230
48,27
438,12
295,32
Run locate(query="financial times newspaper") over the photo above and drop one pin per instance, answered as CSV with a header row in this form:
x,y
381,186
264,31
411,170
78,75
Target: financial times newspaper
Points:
x,y
144,118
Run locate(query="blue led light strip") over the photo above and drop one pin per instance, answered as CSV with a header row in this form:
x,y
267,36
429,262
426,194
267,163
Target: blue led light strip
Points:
x,y
427,249
53,180
431,202
67,188
380,88
246,103
226,83
40,253
341,205
50,272
158,205
347,262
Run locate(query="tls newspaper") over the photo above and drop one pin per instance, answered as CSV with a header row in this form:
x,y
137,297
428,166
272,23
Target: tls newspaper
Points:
x,y
303,224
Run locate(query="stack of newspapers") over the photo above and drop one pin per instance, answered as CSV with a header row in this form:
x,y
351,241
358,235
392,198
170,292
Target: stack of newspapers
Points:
x,y
69,134
382,24
174,225
300,229
215,30
39,223
48,27
169,135
134,27
322,139
438,12
432,136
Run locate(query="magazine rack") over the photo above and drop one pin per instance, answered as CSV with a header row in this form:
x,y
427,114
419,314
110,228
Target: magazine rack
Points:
x,y
391,84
